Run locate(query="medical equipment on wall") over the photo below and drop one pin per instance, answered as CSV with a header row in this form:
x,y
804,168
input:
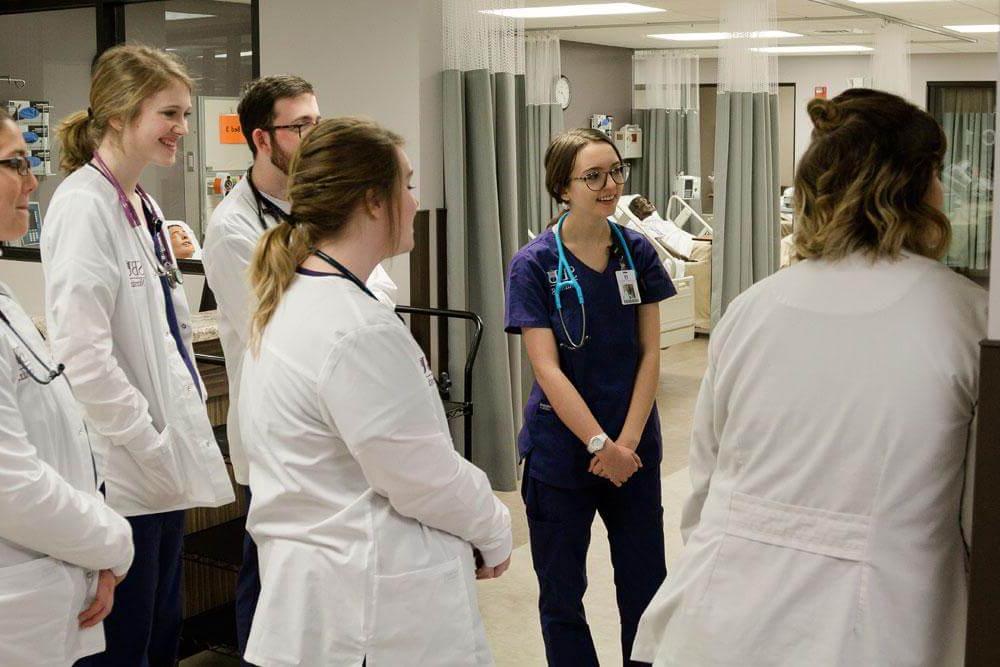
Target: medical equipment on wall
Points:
x,y
32,119
162,265
50,374
687,186
563,269
788,200
679,211
628,140
602,122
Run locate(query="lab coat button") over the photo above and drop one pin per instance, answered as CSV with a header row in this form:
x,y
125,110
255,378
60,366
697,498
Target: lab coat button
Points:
x,y
189,388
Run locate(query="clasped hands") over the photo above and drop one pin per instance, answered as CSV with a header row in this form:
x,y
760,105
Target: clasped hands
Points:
x,y
616,462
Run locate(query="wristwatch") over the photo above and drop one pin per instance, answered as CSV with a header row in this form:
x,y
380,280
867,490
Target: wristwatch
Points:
x,y
597,443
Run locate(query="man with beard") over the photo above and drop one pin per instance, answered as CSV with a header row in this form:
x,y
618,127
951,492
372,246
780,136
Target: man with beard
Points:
x,y
275,112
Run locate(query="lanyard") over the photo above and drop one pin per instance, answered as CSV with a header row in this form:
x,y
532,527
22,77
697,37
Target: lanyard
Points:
x,y
264,205
348,275
162,264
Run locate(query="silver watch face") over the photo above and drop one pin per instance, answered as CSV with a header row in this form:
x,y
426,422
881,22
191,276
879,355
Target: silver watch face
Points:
x,y
596,443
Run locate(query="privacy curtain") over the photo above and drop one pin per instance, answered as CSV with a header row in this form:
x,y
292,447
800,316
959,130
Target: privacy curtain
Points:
x,y
968,117
665,106
745,247
484,68
543,121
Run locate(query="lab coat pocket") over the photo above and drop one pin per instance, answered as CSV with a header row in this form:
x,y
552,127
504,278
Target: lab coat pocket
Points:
x,y
162,481
423,618
37,611
796,570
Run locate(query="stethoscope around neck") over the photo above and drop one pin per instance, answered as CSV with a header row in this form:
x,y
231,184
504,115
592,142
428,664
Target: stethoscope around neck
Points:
x,y
264,205
570,282
164,269
50,373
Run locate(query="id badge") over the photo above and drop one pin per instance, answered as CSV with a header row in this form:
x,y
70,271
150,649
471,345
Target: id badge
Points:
x,y
628,287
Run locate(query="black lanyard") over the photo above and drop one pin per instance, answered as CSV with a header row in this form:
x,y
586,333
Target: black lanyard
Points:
x,y
347,274
264,205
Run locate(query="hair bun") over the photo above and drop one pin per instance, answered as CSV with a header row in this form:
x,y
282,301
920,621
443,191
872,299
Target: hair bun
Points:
x,y
825,114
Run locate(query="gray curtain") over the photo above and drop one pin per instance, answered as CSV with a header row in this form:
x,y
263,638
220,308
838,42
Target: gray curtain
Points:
x,y
544,122
745,247
481,129
671,143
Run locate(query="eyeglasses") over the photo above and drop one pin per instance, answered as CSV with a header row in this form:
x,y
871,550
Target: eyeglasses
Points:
x,y
21,163
301,129
596,179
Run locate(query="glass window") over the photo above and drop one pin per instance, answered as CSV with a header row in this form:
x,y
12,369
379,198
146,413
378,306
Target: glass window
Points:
x,y
214,39
967,112
50,52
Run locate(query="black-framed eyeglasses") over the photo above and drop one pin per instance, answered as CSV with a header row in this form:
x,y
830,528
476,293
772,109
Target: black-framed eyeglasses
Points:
x,y
301,129
22,164
596,179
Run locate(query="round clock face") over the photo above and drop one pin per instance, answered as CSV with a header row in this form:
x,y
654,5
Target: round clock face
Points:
x,y
562,92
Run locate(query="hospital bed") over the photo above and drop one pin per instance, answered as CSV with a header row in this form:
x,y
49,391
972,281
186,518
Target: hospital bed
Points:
x,y
687,258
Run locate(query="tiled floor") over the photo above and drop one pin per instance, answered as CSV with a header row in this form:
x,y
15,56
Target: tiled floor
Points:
x,y
509,604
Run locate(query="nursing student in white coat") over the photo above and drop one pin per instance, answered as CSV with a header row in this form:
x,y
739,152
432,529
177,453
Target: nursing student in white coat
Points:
x,y
118,319
275,113
365,516
832,436
62,549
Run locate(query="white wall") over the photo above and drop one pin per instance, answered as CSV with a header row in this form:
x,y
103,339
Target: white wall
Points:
x,y
806,72
383,61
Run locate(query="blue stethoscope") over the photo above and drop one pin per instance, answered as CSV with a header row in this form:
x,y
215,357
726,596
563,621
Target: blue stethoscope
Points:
x,y
570,281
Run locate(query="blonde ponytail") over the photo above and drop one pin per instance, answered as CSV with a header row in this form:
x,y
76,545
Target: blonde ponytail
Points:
x,y
280,250
76,140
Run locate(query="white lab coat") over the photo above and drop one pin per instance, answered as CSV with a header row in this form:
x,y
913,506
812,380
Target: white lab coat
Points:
x,y
232,235
363,513
55,530
828,460
107,322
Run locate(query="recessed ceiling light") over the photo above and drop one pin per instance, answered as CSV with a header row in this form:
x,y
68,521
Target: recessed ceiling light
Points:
x,y
824,48
184,16
986,27
558,11
713,36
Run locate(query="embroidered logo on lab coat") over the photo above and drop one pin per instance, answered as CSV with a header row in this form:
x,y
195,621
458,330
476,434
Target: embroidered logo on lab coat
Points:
x,y
136,273
552,277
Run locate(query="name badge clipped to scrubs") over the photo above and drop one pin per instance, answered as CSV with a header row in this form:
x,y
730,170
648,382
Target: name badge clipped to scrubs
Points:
x,y
628,287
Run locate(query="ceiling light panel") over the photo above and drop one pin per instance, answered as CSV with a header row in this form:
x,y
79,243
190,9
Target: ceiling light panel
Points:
x,y
984,28
821,48
716,36
185,16
561,11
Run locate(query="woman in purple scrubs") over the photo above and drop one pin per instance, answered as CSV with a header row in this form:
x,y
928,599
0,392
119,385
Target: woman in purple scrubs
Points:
x,y
584,295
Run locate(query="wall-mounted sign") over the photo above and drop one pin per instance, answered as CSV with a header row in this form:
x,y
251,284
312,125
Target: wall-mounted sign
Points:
x,y
230,131
820,92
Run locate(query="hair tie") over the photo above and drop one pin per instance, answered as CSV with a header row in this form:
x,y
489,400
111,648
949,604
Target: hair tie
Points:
x,y
90,113
289,219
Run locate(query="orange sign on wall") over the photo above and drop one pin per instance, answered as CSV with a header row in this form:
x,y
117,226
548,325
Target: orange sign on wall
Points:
x,y
820,92
229,129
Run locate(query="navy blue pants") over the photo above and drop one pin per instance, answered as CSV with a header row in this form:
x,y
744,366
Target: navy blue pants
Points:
x,y
144,627
559,523
247,588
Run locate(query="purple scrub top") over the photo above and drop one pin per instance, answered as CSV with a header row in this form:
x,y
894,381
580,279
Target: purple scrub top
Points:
x,y
603,370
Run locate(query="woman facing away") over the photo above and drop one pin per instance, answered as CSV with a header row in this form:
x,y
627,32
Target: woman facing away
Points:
x,y
829,521
365,516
